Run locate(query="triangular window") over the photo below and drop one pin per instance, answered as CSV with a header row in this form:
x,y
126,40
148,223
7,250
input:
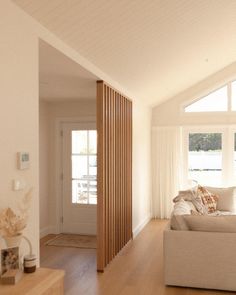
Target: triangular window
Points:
x,y
233,95
216,101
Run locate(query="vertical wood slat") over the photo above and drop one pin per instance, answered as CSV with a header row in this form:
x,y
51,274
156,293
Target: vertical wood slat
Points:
x,y
106,174
130,165
100,181
123,172
114,128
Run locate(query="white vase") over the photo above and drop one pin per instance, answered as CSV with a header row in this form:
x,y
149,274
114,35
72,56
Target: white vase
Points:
x,y
13,241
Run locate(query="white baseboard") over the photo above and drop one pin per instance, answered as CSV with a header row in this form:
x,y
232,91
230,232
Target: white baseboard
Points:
x,y
46,231
141,225
52,230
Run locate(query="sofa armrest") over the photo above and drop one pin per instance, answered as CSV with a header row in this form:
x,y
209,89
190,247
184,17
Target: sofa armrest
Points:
x,y
200,259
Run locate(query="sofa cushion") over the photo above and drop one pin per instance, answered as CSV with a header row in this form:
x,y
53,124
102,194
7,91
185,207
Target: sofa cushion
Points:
x,y
183,207
206,223
177,222
227,198
191,195
208,199
187,195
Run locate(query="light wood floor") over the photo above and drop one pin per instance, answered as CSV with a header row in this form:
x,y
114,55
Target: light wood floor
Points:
x,y
137,270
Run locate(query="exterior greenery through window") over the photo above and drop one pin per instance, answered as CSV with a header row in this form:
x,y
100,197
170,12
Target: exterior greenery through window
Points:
x,y
210,155
205,158
204,142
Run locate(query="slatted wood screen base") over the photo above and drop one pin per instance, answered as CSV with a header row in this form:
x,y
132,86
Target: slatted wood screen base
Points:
x,y
114,127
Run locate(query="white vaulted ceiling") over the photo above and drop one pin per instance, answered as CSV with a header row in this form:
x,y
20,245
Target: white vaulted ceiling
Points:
x,y
154,48
61,79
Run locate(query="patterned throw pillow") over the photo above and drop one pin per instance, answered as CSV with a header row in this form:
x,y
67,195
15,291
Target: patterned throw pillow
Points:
x,y
208,199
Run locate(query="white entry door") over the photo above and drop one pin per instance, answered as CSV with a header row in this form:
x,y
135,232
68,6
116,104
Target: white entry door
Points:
x,y
79,155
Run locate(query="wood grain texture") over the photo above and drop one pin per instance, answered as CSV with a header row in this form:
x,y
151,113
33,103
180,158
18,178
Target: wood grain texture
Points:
x,y
43,282
100,171
114,172
136,270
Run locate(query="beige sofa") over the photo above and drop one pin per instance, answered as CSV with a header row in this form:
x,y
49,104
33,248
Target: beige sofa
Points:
x,y
201,259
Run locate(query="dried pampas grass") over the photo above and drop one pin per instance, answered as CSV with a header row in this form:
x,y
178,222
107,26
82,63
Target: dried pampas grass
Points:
x,y
12,223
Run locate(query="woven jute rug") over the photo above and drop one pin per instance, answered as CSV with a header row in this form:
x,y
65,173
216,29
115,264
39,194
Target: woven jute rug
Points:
x,y
72,240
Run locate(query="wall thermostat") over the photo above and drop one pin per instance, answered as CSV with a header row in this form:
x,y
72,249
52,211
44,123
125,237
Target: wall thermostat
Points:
x,y
23,161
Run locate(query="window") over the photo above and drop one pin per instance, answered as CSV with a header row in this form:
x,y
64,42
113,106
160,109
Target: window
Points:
x,y
210,155
220,100
216,101
84,166
205,158
234,166
233,95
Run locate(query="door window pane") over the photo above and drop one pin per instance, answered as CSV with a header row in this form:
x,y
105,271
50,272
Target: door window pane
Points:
x,y
79,167
93,192
79,141
93,166
79,191
92,141
84,166
205,158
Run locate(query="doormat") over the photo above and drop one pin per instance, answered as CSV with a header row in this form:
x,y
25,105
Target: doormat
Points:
x,y
72,240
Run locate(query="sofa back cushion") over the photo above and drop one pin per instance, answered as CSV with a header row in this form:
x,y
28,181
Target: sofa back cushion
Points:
x,y
226,224
227,196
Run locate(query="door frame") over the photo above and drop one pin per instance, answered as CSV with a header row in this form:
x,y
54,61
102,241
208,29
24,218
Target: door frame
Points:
x,y
58,164
83,227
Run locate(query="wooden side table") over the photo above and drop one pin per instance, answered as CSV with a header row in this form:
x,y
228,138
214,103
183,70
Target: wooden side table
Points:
x,y
42,282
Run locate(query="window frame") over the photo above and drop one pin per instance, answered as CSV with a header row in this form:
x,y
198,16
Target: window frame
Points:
x,y
206,93
228,172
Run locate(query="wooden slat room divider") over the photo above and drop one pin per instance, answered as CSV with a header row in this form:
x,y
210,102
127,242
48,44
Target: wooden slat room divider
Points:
x,y
114,128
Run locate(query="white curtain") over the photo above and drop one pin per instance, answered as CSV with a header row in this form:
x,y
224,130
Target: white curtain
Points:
x,y
166,169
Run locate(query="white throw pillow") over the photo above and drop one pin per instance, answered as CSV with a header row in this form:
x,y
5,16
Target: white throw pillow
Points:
x,y
227,197
182,207
226,224
187,195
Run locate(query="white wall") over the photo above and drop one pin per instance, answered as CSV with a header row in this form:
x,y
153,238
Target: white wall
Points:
x,y
170,113
141,158
51,113
141,166
44,160
18,112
